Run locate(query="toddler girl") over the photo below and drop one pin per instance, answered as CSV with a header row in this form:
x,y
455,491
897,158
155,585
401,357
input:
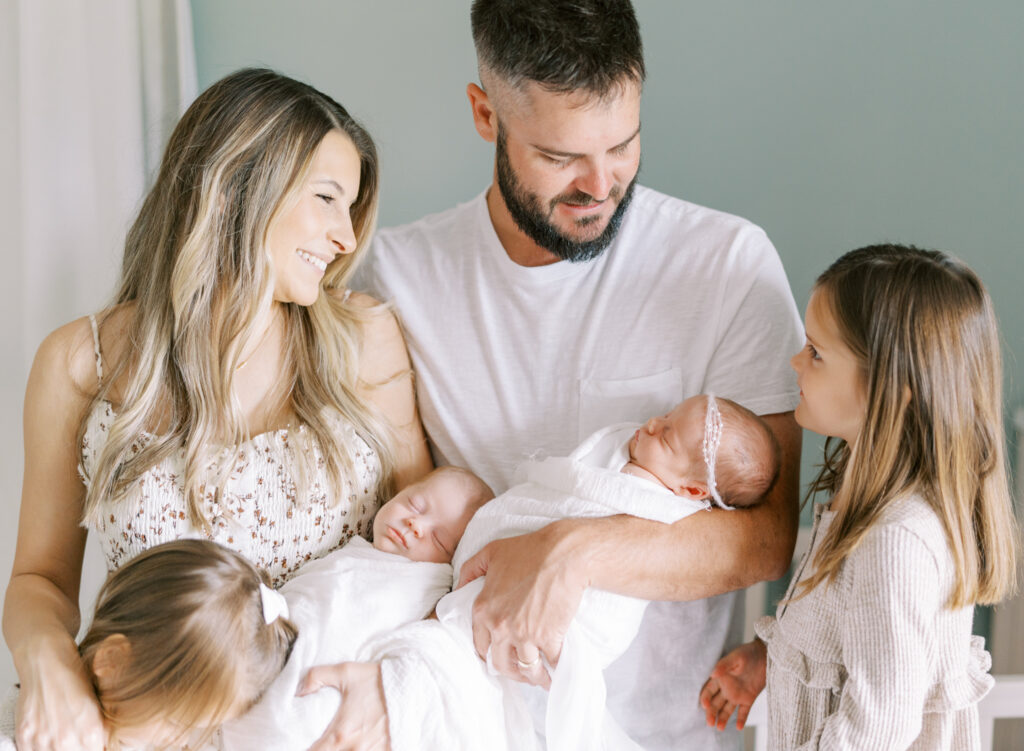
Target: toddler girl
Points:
x,y
185,636
872,645
188,636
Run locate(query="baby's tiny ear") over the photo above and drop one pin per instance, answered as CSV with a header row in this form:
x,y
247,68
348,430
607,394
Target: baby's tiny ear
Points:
x,y
695,491
110,657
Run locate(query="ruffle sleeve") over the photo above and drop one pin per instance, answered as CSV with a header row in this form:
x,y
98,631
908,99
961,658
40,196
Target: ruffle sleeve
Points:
x,y
811,673
966,688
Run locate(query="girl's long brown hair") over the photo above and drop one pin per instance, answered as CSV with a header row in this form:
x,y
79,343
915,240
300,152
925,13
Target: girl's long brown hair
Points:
x,y
923,327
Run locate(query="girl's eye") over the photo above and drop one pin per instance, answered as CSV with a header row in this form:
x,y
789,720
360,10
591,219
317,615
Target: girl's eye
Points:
x,y
813,352
325,197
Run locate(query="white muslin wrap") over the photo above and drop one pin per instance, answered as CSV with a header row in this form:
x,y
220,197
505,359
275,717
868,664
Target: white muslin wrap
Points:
x,y
441,695
339,603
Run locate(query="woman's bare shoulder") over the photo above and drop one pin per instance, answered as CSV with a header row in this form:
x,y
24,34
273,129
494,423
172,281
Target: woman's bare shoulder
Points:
x,y
68,355
69,352
364,301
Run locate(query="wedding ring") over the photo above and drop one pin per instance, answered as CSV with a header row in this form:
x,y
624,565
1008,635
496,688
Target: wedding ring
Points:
x,y
523,665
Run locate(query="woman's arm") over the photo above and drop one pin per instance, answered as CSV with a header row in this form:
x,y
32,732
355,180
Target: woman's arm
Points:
x,y
361,723
57,707
386,380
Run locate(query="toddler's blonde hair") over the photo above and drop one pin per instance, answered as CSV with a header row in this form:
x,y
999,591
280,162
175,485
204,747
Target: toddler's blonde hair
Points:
x,y
192,613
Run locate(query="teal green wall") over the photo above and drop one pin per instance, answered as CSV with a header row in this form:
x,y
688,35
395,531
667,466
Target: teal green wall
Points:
x,y
832,125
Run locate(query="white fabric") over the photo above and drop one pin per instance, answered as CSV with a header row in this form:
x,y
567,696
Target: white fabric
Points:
x,y
876,659
339,603
430,677
274,604
87,92
511,360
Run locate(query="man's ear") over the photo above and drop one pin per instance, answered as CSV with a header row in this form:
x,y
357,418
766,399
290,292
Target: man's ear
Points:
x,y
110,658
484,117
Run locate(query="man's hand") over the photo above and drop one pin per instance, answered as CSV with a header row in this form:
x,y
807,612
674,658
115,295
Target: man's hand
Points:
x,y
531,593
361,722
735,682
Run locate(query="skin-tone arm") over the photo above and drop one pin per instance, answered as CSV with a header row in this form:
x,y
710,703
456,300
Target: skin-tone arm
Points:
x,y
535,581
387,381
57,707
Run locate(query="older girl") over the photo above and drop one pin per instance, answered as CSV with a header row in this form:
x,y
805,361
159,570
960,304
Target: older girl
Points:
x,y
234,391
872,646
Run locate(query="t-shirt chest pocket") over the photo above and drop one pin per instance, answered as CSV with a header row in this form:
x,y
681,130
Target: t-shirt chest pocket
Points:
x,y
607,401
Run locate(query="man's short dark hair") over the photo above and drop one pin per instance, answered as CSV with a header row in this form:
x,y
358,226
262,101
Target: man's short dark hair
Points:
x,y
591,46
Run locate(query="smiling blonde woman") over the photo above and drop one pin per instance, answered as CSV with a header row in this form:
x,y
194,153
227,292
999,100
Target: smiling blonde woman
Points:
x,y
234,390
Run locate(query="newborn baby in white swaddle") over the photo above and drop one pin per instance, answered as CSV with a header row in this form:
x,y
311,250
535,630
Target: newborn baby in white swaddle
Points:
x,y
440,695
359,592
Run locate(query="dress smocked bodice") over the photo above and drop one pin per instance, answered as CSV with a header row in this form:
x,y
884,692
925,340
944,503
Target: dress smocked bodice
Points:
x,y
258,513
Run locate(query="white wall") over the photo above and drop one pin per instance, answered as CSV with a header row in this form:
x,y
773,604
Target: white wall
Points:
x,y
90,90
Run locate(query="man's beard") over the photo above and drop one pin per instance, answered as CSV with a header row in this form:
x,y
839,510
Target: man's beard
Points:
x,y
529,215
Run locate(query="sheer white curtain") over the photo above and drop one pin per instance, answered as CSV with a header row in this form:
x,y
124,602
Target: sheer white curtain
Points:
x,y
89,91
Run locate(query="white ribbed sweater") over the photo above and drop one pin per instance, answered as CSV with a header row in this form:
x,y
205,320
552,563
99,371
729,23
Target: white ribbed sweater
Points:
x,y
875,660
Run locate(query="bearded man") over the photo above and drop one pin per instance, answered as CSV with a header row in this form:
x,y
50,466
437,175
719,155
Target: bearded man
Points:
x,y
567,297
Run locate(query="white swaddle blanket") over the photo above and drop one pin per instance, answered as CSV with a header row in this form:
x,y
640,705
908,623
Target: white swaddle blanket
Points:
x,y
339,603
441,695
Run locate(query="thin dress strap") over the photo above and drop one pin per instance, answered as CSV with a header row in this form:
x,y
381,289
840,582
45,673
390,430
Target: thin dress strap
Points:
x,y
96,347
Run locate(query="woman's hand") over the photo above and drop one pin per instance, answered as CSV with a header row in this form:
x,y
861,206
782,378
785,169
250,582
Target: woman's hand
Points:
x,y
361,722
57,708
735,682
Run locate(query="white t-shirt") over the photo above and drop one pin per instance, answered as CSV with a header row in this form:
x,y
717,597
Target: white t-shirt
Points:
x,y
515,362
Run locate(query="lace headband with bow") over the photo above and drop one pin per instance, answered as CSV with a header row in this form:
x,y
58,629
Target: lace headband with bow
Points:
x,y
712,440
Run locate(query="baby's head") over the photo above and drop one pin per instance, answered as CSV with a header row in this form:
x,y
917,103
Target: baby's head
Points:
x,y
181,643
707,445
426,520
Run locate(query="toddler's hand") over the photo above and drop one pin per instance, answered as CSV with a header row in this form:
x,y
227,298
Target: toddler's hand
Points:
x,y
735,682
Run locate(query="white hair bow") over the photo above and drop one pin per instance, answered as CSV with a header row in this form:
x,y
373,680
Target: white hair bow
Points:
x,y
274,604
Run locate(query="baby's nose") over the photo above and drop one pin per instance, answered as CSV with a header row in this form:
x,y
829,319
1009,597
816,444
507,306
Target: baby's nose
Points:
x,y
413,525
651,425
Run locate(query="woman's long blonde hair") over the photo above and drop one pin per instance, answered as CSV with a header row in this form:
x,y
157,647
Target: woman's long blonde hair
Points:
x,y
923,327
200,649
198,273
